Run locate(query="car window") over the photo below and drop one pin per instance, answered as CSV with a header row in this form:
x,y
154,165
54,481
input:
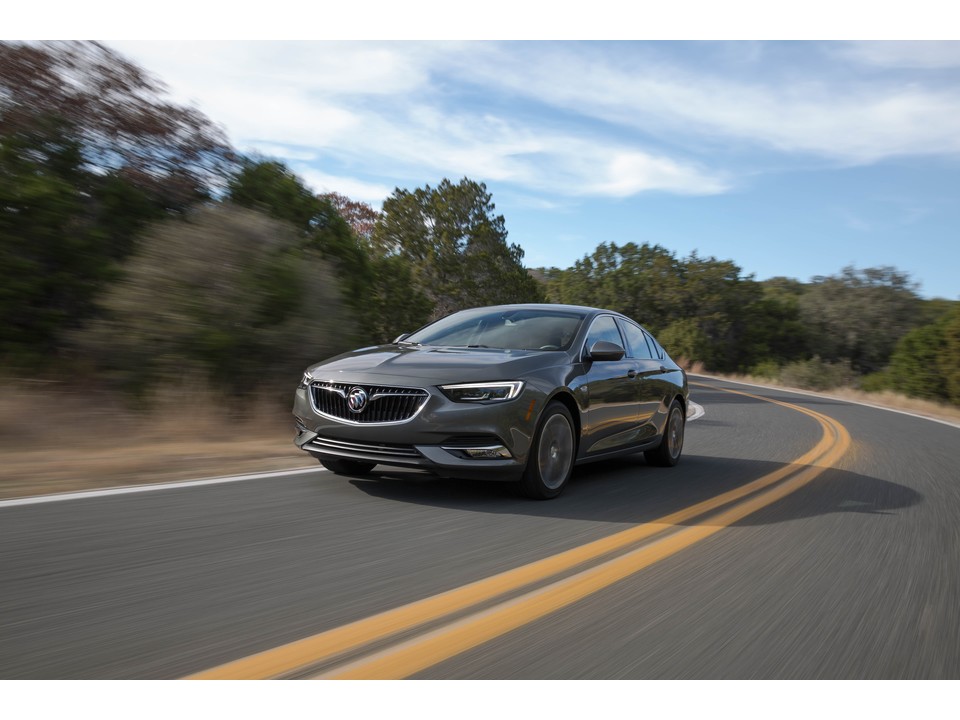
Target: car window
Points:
x,y
604,328
658,351
505,328
637,346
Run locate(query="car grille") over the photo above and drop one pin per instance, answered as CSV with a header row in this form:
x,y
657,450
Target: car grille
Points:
x,y
384,404
346,448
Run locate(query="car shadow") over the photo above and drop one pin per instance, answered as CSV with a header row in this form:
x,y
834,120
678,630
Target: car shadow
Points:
x,y
627,490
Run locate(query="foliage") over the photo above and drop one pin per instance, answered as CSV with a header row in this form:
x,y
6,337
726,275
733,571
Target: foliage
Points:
x,y
949,359
227,293
89,153
768,369
816,374
360,216
62,230
685,340
271,187
926,361
116,114
859,315
455,247
701,306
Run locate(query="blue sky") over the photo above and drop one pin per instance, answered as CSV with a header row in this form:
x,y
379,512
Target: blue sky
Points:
x,y
789,158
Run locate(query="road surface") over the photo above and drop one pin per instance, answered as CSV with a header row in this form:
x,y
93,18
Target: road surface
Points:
x,y
799,537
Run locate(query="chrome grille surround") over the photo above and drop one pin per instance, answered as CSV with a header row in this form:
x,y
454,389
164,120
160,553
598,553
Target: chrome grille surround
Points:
x,y
385,404
347,448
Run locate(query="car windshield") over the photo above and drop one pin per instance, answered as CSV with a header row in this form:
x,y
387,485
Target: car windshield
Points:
x,y
516,329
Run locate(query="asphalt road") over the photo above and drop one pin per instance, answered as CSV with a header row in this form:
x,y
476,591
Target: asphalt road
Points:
x,y
849,571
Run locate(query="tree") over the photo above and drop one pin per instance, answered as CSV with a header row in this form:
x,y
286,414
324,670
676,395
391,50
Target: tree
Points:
x,y
949,358
774,333
360,216
914,366
926,361
226,293
455,245
116,114
271,187
701,304
89,153
48,249
859,315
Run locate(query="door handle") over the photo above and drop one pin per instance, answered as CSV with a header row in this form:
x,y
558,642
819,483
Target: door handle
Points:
x,y
631,374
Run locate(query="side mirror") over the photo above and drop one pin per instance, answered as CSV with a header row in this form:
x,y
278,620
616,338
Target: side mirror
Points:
x,y
401,338
604,350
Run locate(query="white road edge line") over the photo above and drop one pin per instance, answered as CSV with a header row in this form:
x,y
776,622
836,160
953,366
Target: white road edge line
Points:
x,y
832,397
172,485
694,411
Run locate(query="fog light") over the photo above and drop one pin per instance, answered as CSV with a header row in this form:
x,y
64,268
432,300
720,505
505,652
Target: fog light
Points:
x,y
487,452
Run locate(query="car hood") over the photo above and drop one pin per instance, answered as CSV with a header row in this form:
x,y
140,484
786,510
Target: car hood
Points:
x,y
432,365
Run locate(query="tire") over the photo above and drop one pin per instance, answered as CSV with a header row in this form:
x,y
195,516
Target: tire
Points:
x,y
550,464
667,453
342,466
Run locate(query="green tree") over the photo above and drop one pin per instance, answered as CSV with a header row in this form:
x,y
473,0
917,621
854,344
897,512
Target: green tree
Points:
x,y
926,361
914,366
61,235
948,360
271,187
226,293
859,315
89,153
702,304
455,246
118,116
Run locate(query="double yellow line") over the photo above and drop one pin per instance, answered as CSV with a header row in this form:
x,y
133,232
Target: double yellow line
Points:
x,y
431,646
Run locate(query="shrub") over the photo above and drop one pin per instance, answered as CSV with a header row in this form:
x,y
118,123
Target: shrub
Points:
x,y
816,374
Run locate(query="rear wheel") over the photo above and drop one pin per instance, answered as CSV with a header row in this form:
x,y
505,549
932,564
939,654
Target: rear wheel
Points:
x,y
551,457
342,466
667,453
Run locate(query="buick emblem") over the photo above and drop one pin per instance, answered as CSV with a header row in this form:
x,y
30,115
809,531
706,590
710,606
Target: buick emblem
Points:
x,y
357,399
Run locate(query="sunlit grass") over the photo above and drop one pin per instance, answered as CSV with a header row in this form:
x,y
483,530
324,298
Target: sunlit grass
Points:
x,y
55,439
886,398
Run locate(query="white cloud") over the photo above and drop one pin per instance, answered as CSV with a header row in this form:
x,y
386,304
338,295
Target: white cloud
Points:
x,y
384,110
281,152
925,54
371,193
856,121
628,173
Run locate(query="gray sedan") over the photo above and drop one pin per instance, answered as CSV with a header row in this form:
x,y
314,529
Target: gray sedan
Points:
x,y
513,392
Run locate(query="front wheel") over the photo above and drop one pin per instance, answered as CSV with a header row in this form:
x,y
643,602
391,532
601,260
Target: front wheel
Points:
x,y
551,456
342,466
667,453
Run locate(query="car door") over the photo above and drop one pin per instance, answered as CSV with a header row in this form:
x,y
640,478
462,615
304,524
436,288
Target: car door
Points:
x,y
652,389
611,419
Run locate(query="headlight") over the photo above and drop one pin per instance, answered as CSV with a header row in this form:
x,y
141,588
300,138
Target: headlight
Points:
x,y
306,380
483,392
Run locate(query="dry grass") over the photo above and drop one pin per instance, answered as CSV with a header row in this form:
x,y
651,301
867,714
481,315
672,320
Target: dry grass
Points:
x,y
885,399
54,439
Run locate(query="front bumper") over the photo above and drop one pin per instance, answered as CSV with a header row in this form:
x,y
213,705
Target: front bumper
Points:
x,y
443,438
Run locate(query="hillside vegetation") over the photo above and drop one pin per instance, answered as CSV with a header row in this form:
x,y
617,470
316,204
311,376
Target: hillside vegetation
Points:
x,y
140,250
